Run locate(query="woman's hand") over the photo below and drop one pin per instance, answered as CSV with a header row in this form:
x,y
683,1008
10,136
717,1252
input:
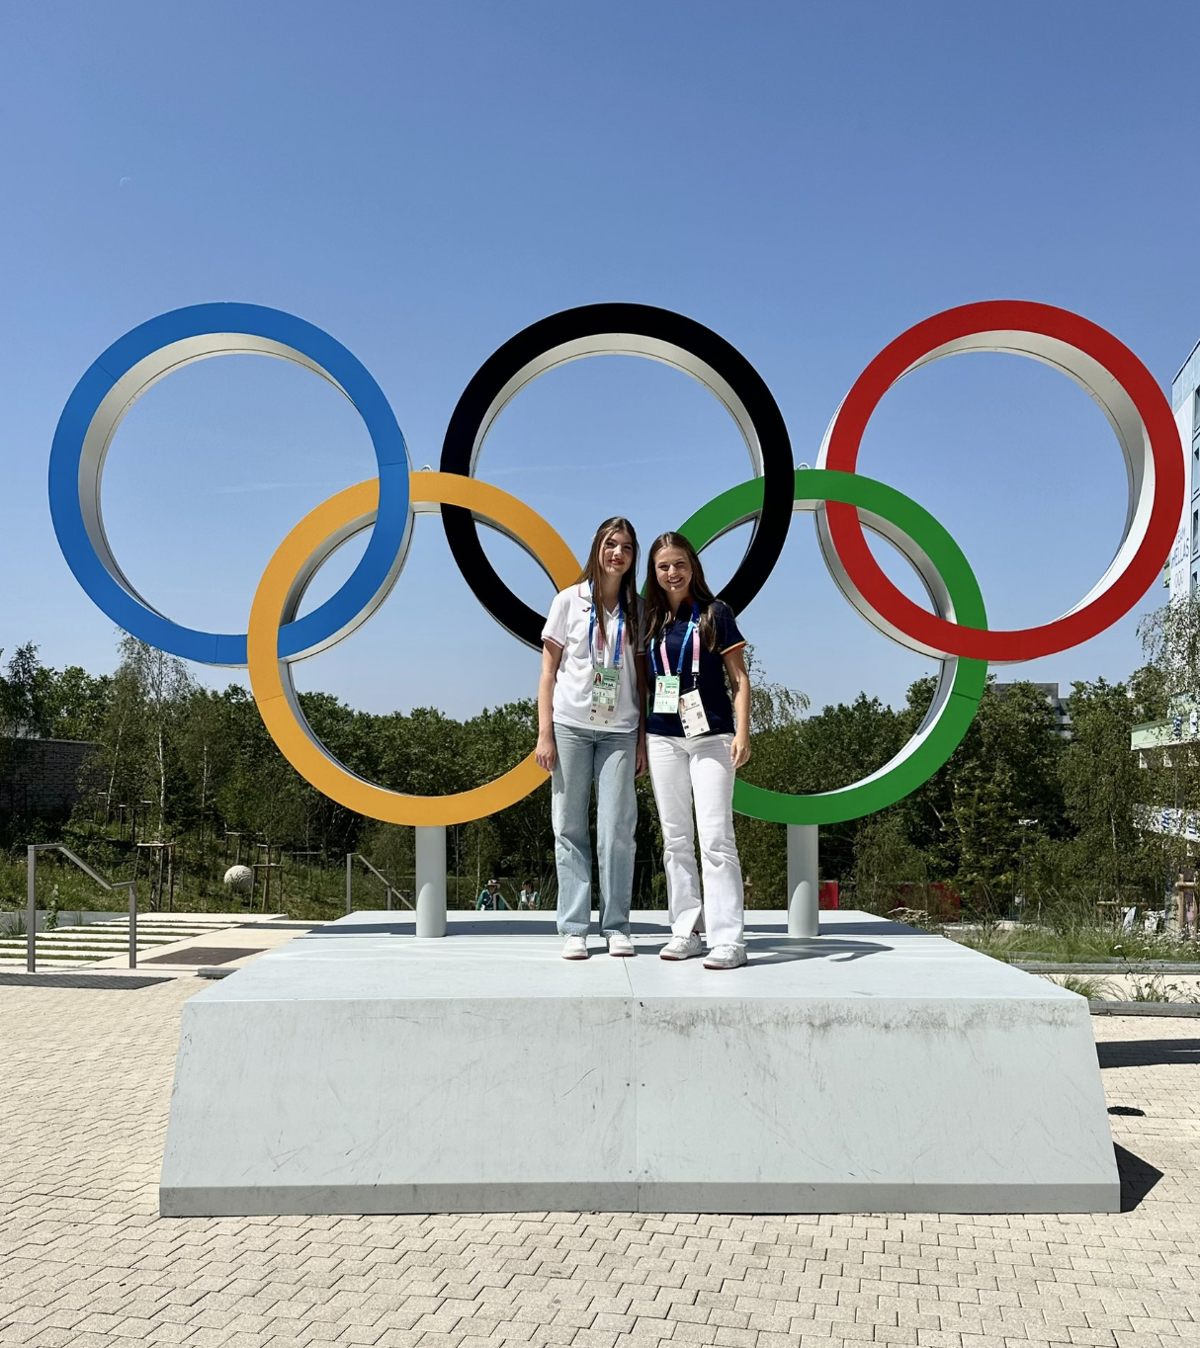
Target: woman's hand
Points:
x,y
546,752
642,759
739,750
735,667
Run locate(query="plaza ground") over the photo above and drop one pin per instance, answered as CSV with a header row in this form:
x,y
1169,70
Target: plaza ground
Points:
x,y
166,942
85,1081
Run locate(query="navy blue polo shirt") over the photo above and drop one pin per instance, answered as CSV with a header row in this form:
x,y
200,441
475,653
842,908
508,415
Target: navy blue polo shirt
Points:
x,y
714,692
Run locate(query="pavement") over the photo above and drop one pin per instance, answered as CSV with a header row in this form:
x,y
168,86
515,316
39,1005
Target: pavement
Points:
x,y
167,942
85,1081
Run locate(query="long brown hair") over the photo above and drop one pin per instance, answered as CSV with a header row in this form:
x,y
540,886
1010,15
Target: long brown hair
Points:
x,y
658,606
593,572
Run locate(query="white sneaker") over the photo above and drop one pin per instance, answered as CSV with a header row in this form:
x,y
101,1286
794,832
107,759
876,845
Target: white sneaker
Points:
x,y
575,948
725,957
680,948
620,944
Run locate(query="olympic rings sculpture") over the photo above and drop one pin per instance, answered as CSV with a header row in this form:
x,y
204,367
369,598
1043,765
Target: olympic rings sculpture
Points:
x,y
842,501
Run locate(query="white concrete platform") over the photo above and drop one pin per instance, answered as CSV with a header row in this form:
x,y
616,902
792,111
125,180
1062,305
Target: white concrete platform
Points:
x,y
360,1069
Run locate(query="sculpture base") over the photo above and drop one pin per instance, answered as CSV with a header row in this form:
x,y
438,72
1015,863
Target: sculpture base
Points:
x,y
360,1069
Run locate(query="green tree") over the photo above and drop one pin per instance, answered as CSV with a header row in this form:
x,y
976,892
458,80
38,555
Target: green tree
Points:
x,y
24,692
162,685
1171,640
75,704
889,871
1108,858
1006,791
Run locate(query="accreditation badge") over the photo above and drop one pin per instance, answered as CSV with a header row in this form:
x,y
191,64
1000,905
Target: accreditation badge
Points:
x,y
691,713
666,693
606,685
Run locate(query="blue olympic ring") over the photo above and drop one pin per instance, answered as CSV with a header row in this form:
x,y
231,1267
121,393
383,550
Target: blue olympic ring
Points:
x,y
118,377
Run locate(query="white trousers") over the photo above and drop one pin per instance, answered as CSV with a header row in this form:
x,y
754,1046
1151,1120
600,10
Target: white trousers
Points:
x,y
697,773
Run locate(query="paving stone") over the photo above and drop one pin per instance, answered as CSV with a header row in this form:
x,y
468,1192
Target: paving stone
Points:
x,y
88,1262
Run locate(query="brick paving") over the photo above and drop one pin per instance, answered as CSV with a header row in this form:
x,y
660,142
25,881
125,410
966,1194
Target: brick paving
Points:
x,y
85,1078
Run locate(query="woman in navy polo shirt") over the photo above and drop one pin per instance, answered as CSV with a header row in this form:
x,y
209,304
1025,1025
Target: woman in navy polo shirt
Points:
x,y
591,729
696,740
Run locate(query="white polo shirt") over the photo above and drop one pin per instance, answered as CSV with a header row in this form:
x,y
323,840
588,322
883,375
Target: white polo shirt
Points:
x,y
568,625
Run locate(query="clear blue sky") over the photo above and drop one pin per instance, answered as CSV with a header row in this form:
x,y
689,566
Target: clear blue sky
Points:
x,y
425,180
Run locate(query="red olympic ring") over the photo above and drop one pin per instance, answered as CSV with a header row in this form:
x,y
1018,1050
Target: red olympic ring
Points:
x,y
1115,378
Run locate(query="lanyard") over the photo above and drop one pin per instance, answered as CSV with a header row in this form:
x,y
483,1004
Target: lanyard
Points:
x,y
592,632
693,631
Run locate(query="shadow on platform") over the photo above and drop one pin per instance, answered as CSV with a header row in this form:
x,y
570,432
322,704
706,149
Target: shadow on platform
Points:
x,y
766,943
545,925
786,949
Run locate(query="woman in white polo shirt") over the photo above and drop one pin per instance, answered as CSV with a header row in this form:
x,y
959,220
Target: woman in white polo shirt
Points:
x,y
591,728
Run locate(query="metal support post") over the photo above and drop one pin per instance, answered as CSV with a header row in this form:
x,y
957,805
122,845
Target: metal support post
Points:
x,y
31,913
431,880
349,881
803,881
133,925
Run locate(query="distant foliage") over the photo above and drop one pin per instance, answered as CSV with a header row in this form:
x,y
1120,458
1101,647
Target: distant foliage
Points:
x,y
1019,821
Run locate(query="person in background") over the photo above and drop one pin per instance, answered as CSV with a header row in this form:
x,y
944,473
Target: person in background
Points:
x,y
591,732
490,897
696,741
528,897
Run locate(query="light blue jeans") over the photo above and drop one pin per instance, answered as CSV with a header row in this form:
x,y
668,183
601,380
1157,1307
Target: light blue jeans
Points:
x,y
608,758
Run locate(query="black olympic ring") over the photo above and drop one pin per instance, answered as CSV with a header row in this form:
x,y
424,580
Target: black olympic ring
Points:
x,y
619,329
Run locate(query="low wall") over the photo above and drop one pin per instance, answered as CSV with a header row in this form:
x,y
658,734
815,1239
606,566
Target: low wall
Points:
x,y
41,778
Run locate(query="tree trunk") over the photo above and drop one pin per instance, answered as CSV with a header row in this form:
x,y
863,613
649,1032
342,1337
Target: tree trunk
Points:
x,y
162,781
112,775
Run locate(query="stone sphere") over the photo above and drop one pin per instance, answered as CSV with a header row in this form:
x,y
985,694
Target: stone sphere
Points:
x,y
239,877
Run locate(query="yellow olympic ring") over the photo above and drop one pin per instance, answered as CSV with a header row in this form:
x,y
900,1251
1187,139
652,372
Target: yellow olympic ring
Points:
x,y
271,680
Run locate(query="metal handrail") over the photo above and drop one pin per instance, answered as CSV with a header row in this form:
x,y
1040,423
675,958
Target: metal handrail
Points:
x,y
351,857
31,851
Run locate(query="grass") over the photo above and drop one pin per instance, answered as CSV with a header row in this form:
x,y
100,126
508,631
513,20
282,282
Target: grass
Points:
x,y
1141,989
1154,989
1094,989
1076,945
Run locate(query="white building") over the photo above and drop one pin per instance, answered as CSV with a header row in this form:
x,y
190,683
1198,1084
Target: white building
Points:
x,y
1062,717
1183,571
1175,741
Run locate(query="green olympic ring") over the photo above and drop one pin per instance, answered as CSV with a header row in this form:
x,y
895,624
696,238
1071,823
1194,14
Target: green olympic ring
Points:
x,y
936,557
